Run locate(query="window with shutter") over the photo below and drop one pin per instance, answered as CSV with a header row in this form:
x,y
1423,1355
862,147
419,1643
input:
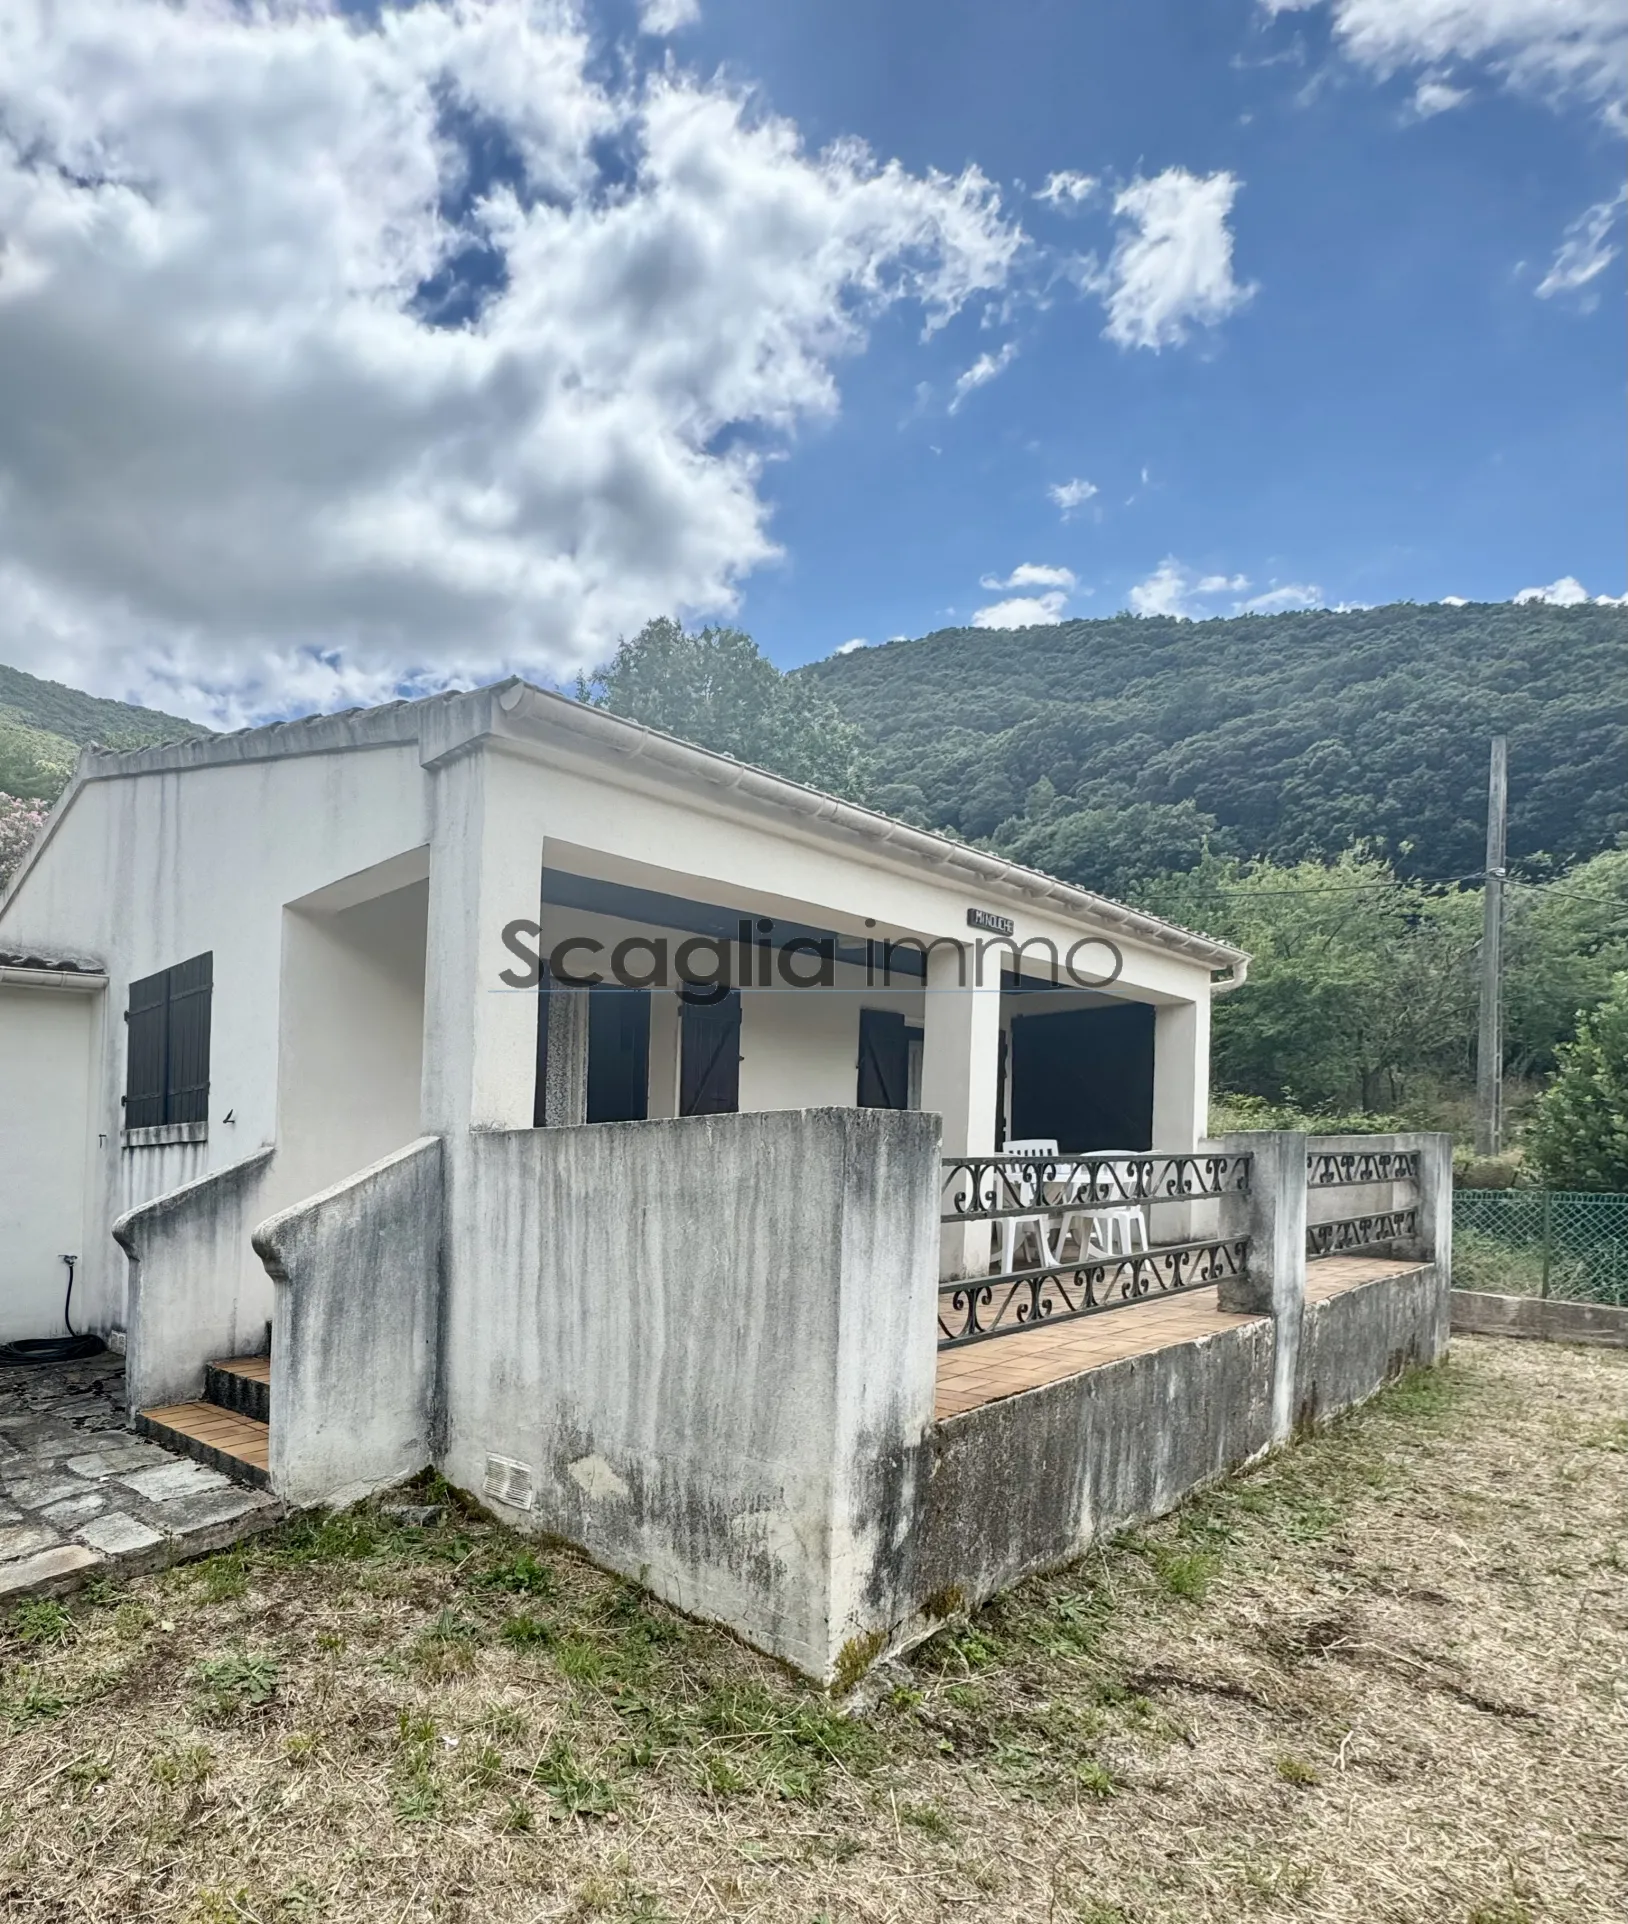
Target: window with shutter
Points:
x,y
167,1045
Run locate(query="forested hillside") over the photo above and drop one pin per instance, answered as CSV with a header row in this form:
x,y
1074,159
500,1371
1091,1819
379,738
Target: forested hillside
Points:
x,y
43,726
1108,751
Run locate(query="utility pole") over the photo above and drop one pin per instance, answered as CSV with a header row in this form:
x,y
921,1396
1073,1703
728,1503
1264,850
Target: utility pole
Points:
x,y
1489,1054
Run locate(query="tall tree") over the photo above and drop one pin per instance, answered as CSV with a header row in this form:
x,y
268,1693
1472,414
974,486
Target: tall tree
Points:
x,y
712,687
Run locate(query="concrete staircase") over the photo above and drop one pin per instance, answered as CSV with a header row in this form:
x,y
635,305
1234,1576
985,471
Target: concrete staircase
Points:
x,y
230,1430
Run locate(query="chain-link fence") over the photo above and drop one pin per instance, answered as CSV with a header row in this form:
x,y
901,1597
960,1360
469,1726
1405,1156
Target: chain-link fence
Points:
x,y
1541,1242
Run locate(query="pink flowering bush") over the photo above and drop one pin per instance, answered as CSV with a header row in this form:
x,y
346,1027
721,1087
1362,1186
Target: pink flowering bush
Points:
x,y
20,822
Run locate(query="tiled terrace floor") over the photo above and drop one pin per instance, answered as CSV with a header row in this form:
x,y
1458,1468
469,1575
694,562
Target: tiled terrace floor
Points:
x,y
1008,1365
78,1490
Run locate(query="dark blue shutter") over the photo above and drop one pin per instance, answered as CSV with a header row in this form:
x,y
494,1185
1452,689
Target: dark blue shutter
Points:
x,y
146,1050
191,987
884,1060
167,1045
710,1072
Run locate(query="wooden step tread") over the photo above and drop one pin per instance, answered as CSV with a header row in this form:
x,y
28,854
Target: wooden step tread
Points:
x,y
256,1368
222,1431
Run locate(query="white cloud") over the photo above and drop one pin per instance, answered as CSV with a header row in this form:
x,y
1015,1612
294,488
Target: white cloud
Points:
x,y
1033,574
1173,589
1555,48
982,371
1569,592
1277,601
1066,191
1172,265
1454,601
1022,611
1433,96
852,647
662,17
1071,496
1027,611
295,417
1587,250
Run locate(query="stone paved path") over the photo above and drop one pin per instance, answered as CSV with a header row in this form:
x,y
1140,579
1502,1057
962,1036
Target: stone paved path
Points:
x,y
80,1493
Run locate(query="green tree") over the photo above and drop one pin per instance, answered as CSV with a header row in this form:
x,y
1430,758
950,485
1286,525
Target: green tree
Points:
x,y
1108,849
34,764
1579,1136
1361,993
713,688
1563,943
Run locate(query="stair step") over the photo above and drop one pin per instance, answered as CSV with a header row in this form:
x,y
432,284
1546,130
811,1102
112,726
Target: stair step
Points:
x,y
235,1445
241,1383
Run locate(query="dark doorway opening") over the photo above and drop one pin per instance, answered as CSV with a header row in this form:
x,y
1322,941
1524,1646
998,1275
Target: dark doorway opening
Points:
x,y
1085,1077
709,1081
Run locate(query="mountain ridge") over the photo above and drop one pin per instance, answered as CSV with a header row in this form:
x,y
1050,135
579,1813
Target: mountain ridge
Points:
x,y
1108,750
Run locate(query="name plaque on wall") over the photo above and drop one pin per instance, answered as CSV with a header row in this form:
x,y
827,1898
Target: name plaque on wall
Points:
x,y
989,921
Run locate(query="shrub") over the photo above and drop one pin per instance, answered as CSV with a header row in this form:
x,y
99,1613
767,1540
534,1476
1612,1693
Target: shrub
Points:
x,y
1579,1136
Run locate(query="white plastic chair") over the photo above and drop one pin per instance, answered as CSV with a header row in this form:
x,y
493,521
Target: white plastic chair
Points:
x,y
1015,1228
1116,1231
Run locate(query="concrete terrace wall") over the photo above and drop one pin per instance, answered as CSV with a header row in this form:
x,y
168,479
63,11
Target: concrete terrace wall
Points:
x,y
355,1334
1030,1482
192,1295
1354,1343
703,1349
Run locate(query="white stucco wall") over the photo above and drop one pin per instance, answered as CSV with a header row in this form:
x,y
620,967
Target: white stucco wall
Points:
x,y
352,1037
146,870
45,1068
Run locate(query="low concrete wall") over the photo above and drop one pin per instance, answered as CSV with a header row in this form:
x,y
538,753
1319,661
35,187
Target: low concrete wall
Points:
x,y
704,1350
1545,1319
1354,1343
191,1298
1029,1482
357,1271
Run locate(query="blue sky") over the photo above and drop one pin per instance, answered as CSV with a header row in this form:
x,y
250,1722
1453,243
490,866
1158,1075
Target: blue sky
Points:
x,y
356,350
1392,415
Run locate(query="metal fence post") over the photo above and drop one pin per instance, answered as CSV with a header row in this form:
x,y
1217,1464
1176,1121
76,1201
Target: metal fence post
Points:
x,y
1548,1239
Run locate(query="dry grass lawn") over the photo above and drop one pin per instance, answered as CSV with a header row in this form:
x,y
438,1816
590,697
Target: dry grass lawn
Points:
x,y
1383,1678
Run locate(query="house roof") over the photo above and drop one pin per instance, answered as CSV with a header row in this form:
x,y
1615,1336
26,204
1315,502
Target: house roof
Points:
x,y
444,723
73,970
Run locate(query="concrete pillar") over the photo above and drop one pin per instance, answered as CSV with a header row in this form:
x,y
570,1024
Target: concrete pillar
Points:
x,y
1181,1105
665,1020
486,864
1434,1243
1273,1216
565,1081
960,1078
1181,1075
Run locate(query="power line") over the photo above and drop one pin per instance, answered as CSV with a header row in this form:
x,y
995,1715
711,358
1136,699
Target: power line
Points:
x,y
1218,890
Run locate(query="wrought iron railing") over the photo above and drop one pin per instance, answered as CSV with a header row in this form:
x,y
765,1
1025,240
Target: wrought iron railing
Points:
x,y
1345,1168
986,1188
1362,1232
977,1307
1065,1192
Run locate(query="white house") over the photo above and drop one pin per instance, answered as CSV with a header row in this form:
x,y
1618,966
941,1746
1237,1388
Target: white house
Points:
x,y
292,939
565,1106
